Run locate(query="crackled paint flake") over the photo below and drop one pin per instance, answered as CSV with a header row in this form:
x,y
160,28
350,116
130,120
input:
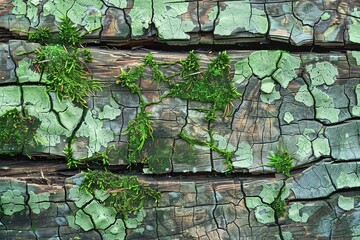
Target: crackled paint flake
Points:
x,y
134,222
356,109
304,96
263,63
295,215
38,202
322,73
12,202
270,97
356,55
321,147
253,202
83,220
140,16
286,71
25,74
288,117
267,85
304,147
116,231
102,216
118,3
285,236
325,106
269,193
325,16
243,156
98,136
230,21
80,197
109,112
10,98
169,14
347,180
346,203
19,7
264,214
354,30
242,71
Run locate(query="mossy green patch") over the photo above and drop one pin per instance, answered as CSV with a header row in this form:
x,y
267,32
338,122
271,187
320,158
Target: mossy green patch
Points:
x,y
12,201
157,155
38,202
304,96
264,63
322,73
346,203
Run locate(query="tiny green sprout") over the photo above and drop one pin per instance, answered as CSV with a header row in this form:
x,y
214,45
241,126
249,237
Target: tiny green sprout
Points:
x,y
100,158
281,160
279,206
68,34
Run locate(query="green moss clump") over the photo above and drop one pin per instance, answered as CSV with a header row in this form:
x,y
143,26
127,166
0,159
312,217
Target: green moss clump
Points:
x,y
281,160
127,194
40,35
100,158
17,131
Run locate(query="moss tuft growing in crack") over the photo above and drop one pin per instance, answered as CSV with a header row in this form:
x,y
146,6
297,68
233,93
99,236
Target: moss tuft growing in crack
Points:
x,y
99,158
62,62
127,194
281,160
17,132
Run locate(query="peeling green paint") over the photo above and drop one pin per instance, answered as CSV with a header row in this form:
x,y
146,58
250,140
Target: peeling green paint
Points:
x,y
134,222
263,63
242,71
347,180
116,231
346,203
98,136
12,202
269,193
109,112
264,214
253,202
270,97
86,13
267,85
10,98
310,133
119,3
304,96
102,216
325,106
304,147
38,202
243,156
354,30
140,17
80,197
325,16
36,100
83,220
295,215
32,12
25,74
19,8
356,109
169,14
286,71
288,117
322,73
321,147
250,19
356,55
212,15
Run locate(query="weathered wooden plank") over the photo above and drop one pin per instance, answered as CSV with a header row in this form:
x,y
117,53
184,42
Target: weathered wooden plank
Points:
x,y
134,22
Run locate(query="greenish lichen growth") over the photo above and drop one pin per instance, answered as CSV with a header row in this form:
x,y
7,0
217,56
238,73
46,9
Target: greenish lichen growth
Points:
x,y
18,132
127,194
281,160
